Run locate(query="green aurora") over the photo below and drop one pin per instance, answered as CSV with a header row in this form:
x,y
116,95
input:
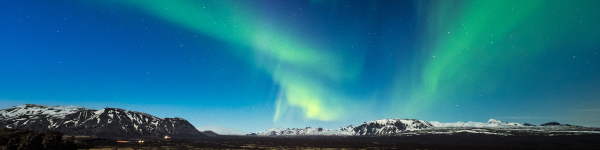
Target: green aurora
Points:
x,y
476,48
301,70
468,49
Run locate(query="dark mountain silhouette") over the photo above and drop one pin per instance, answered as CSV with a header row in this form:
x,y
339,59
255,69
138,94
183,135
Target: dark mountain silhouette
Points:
x,y
551,124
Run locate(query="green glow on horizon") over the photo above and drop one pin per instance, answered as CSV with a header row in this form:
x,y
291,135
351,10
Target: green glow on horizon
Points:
x,y
295,66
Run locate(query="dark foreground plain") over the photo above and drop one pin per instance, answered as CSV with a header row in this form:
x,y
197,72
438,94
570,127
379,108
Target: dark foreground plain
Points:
x,y
423,142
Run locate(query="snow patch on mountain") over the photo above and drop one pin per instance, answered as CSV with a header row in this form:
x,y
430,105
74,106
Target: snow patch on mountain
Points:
x,y
489,123
33,110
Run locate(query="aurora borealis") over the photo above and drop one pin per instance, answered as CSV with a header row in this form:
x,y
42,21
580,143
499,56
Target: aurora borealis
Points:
x,y
323,63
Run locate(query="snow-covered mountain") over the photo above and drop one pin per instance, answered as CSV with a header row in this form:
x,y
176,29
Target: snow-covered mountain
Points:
x,y
489,123
107,122
223,130
304,131
384,127
389,126
376,127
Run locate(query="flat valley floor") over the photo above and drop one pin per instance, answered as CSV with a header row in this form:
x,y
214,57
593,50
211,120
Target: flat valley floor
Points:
x,y
420,142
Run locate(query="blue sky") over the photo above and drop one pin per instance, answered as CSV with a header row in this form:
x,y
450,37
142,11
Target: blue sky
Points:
x,y
252,65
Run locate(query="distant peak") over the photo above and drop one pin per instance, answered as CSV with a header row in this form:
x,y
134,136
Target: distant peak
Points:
x,y
31,105
25,106
115,109
494,121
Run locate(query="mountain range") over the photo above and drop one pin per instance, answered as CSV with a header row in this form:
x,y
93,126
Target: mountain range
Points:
x,y
383,127
118,123
105,123
490,123
222,130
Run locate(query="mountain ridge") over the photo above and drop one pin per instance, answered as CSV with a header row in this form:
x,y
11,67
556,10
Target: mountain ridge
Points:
x,y
107,122
121,123
490,123
222,130
385,127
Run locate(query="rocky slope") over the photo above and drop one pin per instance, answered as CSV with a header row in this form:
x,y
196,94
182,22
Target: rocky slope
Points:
x,y
107,122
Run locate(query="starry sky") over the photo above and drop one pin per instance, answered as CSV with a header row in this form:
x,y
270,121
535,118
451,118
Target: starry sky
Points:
x,y
253,65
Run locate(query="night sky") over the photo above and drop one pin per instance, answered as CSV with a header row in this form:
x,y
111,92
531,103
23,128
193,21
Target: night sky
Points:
x,y
256,64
